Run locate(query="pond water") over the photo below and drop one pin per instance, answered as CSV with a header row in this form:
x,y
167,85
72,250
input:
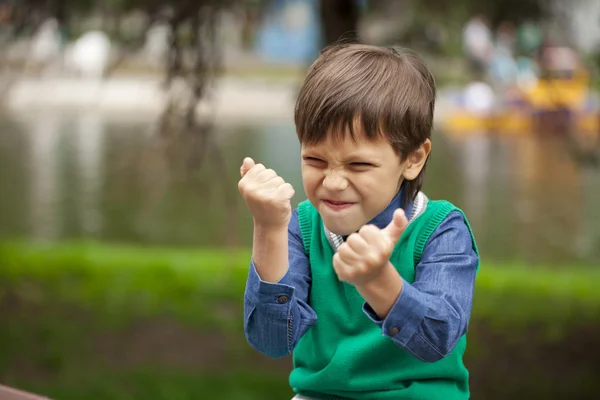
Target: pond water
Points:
x,y
91,176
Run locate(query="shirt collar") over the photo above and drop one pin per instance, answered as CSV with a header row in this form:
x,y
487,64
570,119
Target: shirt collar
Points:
x,y
385,217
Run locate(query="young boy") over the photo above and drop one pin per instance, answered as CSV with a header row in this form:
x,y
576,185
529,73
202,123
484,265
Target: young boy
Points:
x,y
368,282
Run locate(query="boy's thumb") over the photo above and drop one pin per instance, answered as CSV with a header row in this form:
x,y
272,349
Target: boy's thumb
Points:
x,y
247,164
397,226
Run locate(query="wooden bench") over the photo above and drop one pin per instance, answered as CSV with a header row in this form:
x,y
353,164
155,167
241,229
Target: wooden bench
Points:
x,y
8,393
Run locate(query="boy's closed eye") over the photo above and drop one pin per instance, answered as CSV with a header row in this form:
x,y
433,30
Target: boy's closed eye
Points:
x,y
358,165
361,164
315,161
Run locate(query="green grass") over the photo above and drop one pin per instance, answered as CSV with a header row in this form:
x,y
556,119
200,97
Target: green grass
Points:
x,y
72,296
143,384
140,281
153,280
520,293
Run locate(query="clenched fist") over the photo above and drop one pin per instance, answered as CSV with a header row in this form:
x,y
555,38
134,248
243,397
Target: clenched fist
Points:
x,y
266,194
364,255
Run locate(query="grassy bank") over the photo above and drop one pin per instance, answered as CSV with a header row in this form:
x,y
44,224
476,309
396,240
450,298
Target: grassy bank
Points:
x,y
85,320
153,281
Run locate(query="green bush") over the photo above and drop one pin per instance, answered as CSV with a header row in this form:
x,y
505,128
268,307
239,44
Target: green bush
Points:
x,y
100,321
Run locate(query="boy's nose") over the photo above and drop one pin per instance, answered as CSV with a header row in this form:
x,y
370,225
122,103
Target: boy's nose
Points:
x,y
334,181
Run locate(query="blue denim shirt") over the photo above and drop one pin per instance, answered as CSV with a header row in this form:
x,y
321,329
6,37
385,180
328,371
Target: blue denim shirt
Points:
x,y
430,314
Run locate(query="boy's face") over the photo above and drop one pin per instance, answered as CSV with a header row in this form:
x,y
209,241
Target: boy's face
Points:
x,y
350,182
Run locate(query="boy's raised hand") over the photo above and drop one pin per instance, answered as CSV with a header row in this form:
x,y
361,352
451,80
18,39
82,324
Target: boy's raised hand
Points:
x,y
266,194
363,255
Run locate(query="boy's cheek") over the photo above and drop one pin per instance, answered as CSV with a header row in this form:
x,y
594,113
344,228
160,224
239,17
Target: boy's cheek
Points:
x,y
310,182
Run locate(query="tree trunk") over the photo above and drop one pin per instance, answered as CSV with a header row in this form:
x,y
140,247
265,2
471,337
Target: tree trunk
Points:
x,y
339,21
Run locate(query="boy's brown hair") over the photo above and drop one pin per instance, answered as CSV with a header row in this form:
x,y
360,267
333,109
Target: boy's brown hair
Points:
x,y
390,92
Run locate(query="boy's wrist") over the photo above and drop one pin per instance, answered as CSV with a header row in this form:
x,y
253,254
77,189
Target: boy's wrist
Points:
x,y
382,292
269,229
270,252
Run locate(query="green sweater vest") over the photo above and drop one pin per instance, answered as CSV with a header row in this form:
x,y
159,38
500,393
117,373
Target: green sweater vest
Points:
x,y
344,355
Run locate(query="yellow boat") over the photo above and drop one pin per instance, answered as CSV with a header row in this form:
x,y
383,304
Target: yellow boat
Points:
x,y
558,91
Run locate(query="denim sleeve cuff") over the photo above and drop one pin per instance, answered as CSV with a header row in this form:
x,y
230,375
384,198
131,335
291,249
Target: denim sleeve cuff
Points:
x,y
260,292
404,318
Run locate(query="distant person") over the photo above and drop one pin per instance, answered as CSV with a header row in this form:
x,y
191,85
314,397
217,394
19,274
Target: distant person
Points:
x,y
478,45
503,66
368,282
529,39
505,40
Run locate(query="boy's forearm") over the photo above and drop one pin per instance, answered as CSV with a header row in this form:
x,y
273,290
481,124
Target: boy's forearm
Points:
x,y
270,252
382,293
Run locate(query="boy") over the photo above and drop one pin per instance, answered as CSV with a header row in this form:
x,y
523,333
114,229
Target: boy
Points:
x,y
367,282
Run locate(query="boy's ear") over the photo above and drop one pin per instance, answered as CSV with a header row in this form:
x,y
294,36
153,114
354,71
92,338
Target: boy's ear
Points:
x,y
416,160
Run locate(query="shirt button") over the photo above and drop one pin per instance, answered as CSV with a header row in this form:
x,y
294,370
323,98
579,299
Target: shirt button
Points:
x,y
283,299
394,331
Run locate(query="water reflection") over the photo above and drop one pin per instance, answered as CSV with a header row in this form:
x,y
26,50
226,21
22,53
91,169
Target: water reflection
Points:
x,y
126,180
548,193
587,240
476,161
44,135
88,152
280,150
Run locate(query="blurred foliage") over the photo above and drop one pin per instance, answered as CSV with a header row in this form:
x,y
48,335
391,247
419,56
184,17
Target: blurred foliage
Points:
x,y
120,281
496,11
151,281
101,321
159,384
339,17
429,26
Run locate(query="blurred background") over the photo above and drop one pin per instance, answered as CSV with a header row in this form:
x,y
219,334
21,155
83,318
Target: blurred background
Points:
x,y
124,244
